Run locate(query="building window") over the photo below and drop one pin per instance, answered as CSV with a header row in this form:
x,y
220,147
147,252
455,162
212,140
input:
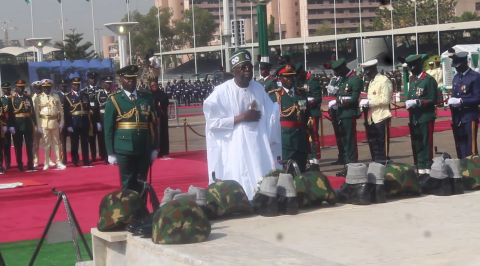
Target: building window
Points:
x,y
297,23
477,6
296,3
296,14
340,20
298,33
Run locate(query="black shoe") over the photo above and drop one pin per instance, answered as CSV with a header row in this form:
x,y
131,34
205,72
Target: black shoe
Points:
x,y
105,162
80,161
314,168
378,194
87,164
423,177
64,162
20,168
457,186
437,187
358,194
2,170
338,162
342,173
31,168
7,166
93,160
75,164
287,205
265,205
144,231
133,226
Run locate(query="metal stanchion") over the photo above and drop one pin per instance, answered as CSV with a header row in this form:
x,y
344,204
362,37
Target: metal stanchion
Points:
x,y
321,132
185,133
395,104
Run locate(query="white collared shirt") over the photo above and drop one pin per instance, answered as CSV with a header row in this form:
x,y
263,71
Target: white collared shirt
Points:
x,y
128,93
288,90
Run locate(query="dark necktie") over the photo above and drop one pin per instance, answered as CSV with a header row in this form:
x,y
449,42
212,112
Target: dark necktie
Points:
x,y
461,77
132,97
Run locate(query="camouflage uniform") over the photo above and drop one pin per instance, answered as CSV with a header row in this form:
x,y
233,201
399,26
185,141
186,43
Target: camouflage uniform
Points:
x,y
401,178
180,222
314,188
225,198
119,208
470,169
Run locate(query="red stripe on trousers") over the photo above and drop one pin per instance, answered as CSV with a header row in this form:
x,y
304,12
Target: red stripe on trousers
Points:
x,y
316,138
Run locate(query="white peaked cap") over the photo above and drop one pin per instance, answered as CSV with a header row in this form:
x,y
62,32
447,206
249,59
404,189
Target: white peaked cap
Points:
x,y
369,63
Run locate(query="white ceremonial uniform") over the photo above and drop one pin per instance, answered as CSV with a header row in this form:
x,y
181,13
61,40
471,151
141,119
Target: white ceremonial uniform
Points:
x,y
49,114
36,135
379,93
247,151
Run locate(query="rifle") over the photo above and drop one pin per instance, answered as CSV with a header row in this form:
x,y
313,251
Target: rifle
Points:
x,y
455,129
368,131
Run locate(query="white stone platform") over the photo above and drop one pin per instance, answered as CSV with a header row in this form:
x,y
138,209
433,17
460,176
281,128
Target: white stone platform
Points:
x,y
426,231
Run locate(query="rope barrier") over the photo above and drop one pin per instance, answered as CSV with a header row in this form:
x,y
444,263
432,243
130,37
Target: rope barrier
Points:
x,y
185,125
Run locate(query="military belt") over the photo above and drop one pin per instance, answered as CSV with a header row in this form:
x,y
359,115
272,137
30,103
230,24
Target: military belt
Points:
x,y
102,111
294,124
345,97
132,125
80,113
49,117
22,115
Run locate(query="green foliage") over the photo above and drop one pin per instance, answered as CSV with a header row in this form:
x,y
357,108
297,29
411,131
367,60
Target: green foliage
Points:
x,y
204,28
467,16
271,28
73,50
325,28
432,58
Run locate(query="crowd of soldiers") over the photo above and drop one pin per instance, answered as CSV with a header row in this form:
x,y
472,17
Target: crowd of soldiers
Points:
x,y
188,92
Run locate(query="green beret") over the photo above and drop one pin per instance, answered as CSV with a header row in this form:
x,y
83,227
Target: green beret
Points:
x,y
239,57
128,71
226,197
119,208
180,222
287,56
6,85
338,63
285,70
413,59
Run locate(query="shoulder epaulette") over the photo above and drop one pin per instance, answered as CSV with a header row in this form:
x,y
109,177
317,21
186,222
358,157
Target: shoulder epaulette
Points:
x,y
301,89
115,92
275,90
9,96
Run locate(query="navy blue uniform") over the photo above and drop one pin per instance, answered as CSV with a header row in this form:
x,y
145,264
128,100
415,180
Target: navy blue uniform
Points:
x,y
76,109
467,88
92,95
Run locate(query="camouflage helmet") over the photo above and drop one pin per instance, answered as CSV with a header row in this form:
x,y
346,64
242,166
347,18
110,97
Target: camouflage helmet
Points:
x,y
470,169
180,222
314,188
400,178
119,208
226,197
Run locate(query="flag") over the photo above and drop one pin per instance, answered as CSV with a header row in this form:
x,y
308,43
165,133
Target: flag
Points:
x,y
88,0
28,1
59,1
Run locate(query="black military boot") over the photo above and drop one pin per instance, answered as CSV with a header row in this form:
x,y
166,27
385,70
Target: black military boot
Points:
x,y
357,194
133,226
339,161
455,175
437,187
265,203
342,173
378,194
287,195
376,177
457,186
144,231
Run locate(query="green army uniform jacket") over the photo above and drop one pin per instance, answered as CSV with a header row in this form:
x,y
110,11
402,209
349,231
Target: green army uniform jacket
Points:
x,y
312,85
294,115
349,89
21,114
423,89
130,127
270,83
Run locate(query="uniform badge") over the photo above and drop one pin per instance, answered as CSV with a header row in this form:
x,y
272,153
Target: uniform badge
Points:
x,y
464,89
306,87
27,103
346,88
302,104
374,93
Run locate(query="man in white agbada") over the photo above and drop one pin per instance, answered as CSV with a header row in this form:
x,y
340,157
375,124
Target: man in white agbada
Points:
x,y
242,128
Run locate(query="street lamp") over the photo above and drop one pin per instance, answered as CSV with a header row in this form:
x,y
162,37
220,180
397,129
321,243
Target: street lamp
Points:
x,y
262,28
39,43
122,29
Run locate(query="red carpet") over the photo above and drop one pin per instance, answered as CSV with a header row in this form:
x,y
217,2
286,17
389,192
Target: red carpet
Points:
x,y
188,107
192,114
27,183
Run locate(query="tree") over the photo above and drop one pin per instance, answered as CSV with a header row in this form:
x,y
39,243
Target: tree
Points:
x,y
466,16
205,27
325,28
73,50
271,28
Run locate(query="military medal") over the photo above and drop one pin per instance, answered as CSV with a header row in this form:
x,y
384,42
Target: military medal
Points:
x,y
302,104
464,89
254,105
418,92
374,93
346,88
306,87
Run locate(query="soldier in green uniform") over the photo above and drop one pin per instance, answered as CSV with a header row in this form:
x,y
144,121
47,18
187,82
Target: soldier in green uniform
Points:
x,y
130,130
332,90
346,104
22,123
422,98
311,84
268,81
6,88
294,114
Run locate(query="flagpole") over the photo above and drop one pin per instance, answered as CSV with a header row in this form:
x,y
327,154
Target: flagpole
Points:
x,y
438,30
194,37
220,30
279,25
33,34
393,36
129,39
416,24
93,28
251,29
335,25
160,41
63,29
362,48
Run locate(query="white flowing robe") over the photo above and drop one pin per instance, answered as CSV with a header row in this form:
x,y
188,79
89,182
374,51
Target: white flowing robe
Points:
x,y
247,151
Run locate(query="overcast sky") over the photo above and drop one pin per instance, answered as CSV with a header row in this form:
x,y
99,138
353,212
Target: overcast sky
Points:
x,y
77,12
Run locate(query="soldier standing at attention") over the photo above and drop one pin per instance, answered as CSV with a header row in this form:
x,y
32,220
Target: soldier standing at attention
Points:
x,y
37,87
49,115
268,81
99,113
294,114
346,104
131,130
63,84
332,90
422,98
91,91
378,104
76,108
7,90
464,105
3,130
22,123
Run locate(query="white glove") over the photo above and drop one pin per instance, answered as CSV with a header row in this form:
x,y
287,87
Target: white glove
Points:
x,y
154,155
60,127
70,129
112,159
455,101
410,104
39,130
12,130
99,127
365,103
332,104
5,128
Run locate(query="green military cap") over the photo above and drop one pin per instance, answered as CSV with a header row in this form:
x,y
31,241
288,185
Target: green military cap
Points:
x,y
226,197
128,71
239,57
336,64
412,60
285,70
6,85
180,222
287,56
119,208
265,65
299,67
